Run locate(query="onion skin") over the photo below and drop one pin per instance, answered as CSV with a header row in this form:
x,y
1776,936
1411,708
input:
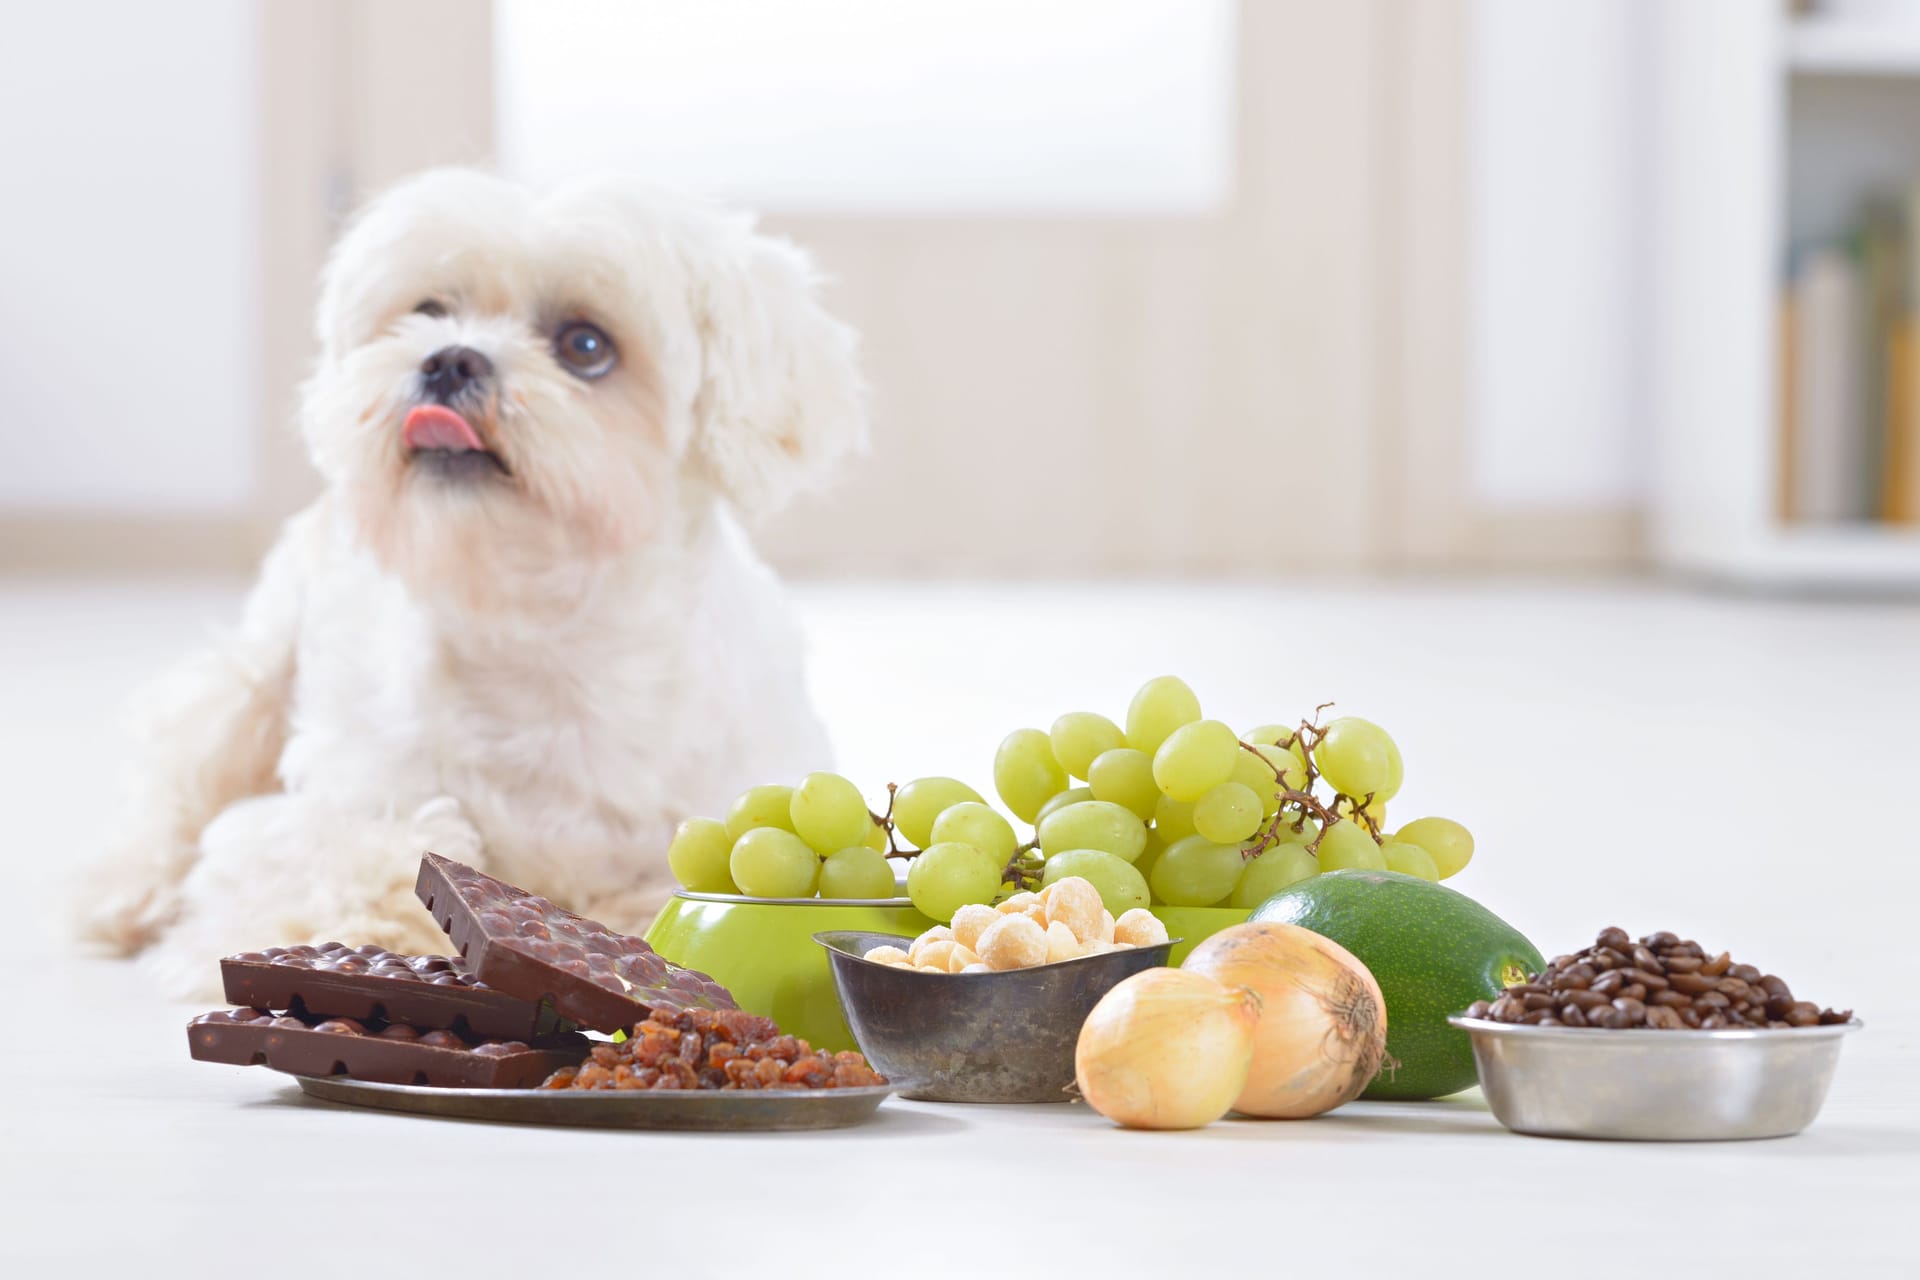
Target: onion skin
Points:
x,y
1322,1035
1166,1049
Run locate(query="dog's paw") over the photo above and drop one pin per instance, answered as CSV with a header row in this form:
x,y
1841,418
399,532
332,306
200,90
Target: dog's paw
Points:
x,y
126,903
441,826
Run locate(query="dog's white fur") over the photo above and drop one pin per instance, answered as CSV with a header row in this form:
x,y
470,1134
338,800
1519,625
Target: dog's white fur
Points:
x,y
538,674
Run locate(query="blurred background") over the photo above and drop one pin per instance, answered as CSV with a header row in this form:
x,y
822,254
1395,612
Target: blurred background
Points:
x,y
1537,379
1154,287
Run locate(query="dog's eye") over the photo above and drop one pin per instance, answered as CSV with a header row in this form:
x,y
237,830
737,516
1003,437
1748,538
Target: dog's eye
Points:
x,y
585,349
431,307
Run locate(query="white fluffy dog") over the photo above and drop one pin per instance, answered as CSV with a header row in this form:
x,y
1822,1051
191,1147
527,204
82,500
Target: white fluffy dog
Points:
x,y
519,626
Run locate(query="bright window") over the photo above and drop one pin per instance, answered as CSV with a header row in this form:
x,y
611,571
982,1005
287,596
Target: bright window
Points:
x,y
879,106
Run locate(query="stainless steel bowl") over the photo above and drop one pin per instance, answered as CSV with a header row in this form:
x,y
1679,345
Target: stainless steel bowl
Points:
x,y
974,1037
1674,1086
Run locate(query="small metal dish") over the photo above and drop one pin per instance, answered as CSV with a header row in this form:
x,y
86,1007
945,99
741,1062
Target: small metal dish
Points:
x,y
974,1037
1654,1086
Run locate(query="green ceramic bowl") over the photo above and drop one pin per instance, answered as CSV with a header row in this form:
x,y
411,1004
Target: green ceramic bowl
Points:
x,y
762,949
1196,924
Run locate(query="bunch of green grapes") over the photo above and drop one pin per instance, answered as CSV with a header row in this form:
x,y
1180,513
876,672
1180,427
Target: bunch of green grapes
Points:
x,y
817,837
1173,809
1179,810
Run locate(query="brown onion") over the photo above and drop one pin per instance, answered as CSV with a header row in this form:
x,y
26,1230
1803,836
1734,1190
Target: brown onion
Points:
x,y
1322,1033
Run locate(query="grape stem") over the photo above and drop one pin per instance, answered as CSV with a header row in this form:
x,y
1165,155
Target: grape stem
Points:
x,y
1022,871
1297,805
885,821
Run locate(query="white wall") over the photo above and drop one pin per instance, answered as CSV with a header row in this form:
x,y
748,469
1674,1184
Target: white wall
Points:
x,y
1558,251
128,236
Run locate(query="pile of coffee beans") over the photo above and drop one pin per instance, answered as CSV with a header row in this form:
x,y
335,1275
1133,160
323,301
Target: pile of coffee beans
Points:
x,y
1662,982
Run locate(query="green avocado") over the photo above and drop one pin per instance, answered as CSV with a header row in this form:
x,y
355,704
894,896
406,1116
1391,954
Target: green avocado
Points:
x,y
1433,950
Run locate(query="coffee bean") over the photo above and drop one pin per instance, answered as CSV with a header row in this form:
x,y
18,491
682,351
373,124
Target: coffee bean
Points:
x,y
1662,982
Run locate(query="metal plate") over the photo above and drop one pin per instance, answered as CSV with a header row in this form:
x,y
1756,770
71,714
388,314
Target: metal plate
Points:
x,y
1655,1086
711,1110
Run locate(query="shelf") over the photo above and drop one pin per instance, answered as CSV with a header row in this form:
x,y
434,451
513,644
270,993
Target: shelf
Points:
x,y
1826,46
1831,557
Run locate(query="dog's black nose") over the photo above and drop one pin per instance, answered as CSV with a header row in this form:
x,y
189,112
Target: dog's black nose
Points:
x,y
451,370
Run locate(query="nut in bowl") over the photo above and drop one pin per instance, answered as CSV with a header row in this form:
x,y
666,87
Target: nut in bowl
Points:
x,y
979,1036
1064,921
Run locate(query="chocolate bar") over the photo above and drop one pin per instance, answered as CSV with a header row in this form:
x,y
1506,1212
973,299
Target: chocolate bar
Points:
x,y
370,983
390,1053
518,942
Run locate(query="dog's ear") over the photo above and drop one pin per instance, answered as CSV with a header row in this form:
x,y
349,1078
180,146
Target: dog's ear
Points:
x,y
780,397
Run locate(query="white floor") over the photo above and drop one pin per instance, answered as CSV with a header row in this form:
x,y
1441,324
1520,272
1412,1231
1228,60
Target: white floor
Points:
x,y
1742,771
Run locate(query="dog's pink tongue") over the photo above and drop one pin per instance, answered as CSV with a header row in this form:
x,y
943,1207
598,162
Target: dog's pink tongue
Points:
x,y
434,426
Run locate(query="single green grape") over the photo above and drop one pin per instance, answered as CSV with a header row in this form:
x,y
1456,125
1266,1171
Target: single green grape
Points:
x,y
829,812
857,872
948,876
1227,814
1025,773
698,856
1072,795
1094,824
979,825
1079,737
765,806
1272,871
1196,872
1305,835
1355,756
1409,860
1120,885
1265,770
768,862
917,804
1149,855
1396,773
1347,846
1172,819
1195,759
1270,734
1125,777
1449,844
1163,704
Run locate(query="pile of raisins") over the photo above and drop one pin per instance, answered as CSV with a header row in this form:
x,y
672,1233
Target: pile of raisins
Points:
x,y
713,1049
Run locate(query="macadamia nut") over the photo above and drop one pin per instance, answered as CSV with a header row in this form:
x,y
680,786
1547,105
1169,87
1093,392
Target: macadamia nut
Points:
x,y
1140,927
1013,942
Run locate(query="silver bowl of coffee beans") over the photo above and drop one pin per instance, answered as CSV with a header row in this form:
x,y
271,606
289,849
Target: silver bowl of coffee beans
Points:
x,y
1655,1040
